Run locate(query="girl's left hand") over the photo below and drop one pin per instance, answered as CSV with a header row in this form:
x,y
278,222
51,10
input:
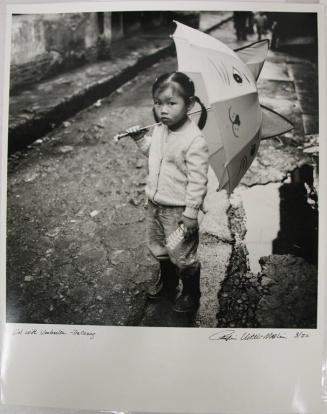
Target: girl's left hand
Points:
x,y
191,226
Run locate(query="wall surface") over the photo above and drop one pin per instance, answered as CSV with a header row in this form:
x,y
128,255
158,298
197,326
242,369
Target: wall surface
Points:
x,y
46,44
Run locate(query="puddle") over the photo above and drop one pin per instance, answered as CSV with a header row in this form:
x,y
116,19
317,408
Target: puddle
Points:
x,y
282,218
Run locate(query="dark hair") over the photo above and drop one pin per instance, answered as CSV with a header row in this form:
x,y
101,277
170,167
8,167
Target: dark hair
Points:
x,y
186,89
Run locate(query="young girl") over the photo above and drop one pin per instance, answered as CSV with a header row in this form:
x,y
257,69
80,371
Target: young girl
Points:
x,y
176,187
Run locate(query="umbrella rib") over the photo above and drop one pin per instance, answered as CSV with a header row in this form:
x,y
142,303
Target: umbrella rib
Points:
x,y
221,66
241,148
219,149
226,71
220,72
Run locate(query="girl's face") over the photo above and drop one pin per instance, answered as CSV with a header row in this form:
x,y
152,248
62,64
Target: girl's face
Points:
x,y
170,107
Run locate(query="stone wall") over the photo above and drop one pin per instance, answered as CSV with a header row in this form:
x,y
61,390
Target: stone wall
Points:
x,y
47,44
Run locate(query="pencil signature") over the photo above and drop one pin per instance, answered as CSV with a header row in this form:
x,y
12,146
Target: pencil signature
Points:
x,y
226,335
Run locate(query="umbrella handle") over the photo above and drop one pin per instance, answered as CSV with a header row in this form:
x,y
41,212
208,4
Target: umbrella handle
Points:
x,y
126,134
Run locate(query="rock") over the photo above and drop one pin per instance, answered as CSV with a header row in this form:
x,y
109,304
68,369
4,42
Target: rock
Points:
x,y
56,58
270,302
118,287
65,148
135,202
28,278
30,177
94,213
140,164
266,281
79,294
119,256
25,116
28,110
311,150
54,232
88,227
66,124
108,272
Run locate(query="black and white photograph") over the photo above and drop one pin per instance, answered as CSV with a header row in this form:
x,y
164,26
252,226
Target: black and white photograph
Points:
x,y
163,169
162,179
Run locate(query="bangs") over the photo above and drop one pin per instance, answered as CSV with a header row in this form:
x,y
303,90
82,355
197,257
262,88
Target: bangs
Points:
x,y
175,87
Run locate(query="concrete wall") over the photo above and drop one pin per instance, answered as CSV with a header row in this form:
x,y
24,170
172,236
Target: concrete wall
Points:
x,y
43,45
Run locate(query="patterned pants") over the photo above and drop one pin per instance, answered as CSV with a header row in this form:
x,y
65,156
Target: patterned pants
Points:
x,y
161,222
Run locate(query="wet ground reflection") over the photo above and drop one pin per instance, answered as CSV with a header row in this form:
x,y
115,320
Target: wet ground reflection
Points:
x,y
282,218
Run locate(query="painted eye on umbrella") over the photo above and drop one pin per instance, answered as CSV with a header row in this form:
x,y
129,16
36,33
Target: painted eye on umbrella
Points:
x,y
237,76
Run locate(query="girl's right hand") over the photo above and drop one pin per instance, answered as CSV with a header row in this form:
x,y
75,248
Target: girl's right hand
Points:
x,y
135,133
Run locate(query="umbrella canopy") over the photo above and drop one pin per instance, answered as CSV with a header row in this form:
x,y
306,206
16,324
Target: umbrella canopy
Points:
x,y
225,81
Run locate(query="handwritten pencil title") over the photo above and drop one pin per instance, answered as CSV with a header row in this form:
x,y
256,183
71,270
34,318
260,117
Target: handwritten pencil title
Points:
x,y
55,332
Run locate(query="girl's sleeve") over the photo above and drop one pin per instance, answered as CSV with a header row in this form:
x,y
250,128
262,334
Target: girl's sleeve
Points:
x,y
144,143
197,162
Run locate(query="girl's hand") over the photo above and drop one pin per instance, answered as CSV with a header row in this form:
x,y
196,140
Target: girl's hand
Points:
x,y
191,227
135,133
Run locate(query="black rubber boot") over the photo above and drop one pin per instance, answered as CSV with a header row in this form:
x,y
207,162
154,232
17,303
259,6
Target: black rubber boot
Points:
x,y
189,299
166,283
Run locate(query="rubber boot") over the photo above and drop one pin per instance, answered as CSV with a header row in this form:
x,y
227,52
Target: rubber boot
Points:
x,y
166,283
189,299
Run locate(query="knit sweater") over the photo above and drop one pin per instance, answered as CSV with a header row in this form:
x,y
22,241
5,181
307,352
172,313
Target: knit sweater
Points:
x,y
178,167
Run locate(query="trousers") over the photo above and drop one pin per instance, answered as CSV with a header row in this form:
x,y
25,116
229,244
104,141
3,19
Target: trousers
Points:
x,y
161,222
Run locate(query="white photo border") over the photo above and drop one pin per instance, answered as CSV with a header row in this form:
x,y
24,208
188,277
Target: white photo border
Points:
x,y
164,369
